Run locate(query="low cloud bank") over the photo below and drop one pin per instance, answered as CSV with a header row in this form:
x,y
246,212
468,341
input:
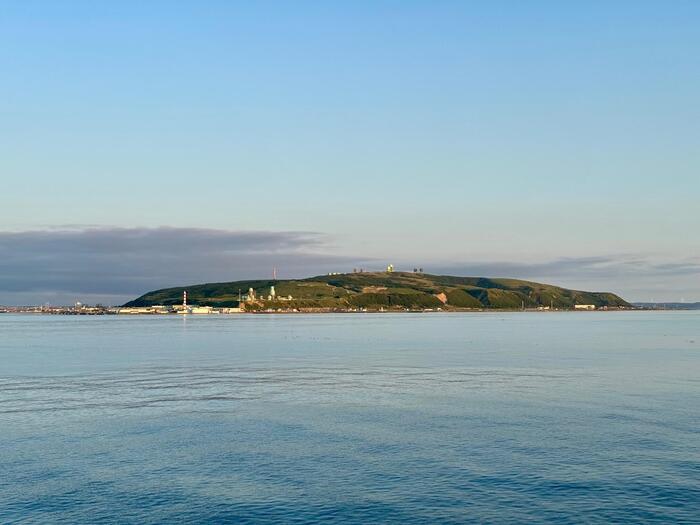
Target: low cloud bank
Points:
x,y
113,265
600,267
635,278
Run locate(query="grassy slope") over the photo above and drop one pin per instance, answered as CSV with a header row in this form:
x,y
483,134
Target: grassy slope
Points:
x,y
380,289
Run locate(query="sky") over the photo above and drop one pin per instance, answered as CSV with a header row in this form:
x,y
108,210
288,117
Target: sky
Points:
x,y
153,144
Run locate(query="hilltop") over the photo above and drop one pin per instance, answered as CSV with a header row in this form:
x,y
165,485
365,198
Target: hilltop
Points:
x,y
375,290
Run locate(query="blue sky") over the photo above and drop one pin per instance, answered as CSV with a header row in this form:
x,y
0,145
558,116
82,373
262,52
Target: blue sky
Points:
x,y
459,136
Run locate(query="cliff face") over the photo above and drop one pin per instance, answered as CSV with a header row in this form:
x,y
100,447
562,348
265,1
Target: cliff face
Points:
x,y
385,290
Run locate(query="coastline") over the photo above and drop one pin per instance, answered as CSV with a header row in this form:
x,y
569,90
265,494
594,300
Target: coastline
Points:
x,y
68,311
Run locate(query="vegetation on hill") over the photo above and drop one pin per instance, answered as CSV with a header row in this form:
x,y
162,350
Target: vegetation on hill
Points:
x,y
376,290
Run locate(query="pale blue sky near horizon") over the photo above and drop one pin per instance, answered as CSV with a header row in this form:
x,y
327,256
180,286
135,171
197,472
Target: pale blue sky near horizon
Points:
x,y
450,133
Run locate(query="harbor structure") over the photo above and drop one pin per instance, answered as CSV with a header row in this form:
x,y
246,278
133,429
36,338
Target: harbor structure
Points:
x,y
201,310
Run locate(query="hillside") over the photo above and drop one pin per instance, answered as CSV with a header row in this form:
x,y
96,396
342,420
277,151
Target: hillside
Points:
x,y
374,290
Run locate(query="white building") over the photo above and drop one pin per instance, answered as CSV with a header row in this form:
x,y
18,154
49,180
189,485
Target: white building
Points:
x,y
202,310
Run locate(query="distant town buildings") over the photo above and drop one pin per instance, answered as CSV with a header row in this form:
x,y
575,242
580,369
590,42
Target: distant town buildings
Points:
x,y
136,310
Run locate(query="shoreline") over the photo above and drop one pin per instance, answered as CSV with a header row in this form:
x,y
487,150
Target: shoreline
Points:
x,y
331,312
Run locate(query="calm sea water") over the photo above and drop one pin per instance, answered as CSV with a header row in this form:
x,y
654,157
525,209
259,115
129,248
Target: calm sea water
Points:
x,y
411,418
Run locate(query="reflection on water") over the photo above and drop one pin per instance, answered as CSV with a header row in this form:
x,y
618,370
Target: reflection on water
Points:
x,y
351,419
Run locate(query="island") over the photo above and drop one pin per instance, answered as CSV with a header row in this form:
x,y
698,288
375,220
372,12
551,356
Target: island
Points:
x,y
371,291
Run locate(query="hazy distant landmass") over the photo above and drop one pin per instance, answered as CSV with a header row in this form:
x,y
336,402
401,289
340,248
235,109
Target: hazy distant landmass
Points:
x,y
669,306
389,290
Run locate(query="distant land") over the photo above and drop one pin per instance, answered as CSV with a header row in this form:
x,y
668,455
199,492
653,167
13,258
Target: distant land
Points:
x,y
668,306
380,290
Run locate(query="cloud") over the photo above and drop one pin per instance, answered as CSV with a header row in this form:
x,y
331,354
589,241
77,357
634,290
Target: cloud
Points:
x,y
634,277
601,266
115,264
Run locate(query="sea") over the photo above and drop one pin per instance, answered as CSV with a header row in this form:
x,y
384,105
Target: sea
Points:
x,y
411,418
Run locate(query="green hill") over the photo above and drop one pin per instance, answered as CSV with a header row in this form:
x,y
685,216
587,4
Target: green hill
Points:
x,y
374,290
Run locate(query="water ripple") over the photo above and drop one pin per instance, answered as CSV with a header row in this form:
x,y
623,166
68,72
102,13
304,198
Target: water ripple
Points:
x,y
134,389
